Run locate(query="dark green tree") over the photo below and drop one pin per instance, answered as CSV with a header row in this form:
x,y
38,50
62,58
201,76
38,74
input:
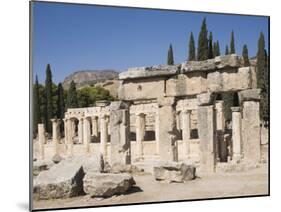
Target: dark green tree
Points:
x,y
202,52
49,99
60,102
210,46
218,51
262,78
36,107
226,50
245,56
170,58
191,49
72,101
214,49
232,45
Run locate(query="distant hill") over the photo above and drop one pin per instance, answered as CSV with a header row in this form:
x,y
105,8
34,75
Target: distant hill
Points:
x,y
89,77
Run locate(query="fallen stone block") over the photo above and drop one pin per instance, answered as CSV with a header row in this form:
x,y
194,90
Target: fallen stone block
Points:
x,y
63,180
107,184
41,165
174,172
125,168
57,158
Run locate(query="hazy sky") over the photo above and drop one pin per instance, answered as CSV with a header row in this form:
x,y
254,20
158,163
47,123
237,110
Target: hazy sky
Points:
x,y
80,37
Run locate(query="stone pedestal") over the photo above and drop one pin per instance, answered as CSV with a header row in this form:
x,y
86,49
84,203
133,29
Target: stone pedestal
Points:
x,y
236,133
140,132
168,133
207,132
186,132
87,134
103,135
41,140
120,133
80,131
55,131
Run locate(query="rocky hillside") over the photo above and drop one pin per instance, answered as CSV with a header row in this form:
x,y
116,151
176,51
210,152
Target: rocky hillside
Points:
x,y
89,77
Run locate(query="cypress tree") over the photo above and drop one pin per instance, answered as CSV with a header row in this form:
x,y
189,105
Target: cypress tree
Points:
x,y
191,50
49,99
218,51
232,45
170,58
210,46
214,49
245,56
262,77
60,102
226,50
202,52
72,101
60,106
36,107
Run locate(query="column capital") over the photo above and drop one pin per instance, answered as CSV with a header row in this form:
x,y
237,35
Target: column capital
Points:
x,y
186,111
140,114
235,109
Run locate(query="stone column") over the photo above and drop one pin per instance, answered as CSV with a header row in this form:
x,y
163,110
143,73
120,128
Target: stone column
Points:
x,y
236,133
220,124
186,132
95,130
156,128
55,131
168,133
87,134
120,133
219,115
207,132
103,135
140,132
41,140
68,130
251,125
80,131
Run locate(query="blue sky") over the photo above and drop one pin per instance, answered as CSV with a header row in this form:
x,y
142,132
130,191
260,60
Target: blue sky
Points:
x,y
84,37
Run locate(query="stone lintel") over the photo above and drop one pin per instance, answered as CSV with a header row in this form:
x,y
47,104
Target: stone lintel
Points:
x,y
118,105
249,95
102,103
166,101
204,99
235,109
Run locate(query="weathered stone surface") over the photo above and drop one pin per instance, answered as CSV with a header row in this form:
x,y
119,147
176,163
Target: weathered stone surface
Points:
x,y
60,181
205,99
107,184
120,131
174,172
220,62
249,95
41,165
168,132
57,158
125,168
144,72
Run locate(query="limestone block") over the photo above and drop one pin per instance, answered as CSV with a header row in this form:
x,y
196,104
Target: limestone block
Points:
x,y
204,65
63,180
144,72
122,168
57,158
174,172
227,61
205,99
249,95
41,165
214,81
107,184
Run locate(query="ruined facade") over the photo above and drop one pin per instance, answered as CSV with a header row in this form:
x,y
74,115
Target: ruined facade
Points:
x,y
167,113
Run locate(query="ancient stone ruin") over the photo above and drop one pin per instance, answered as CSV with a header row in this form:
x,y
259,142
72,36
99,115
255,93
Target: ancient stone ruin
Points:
x,y
168,114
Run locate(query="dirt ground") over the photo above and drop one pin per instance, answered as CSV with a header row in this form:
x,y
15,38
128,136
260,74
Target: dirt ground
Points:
x,y
252,182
